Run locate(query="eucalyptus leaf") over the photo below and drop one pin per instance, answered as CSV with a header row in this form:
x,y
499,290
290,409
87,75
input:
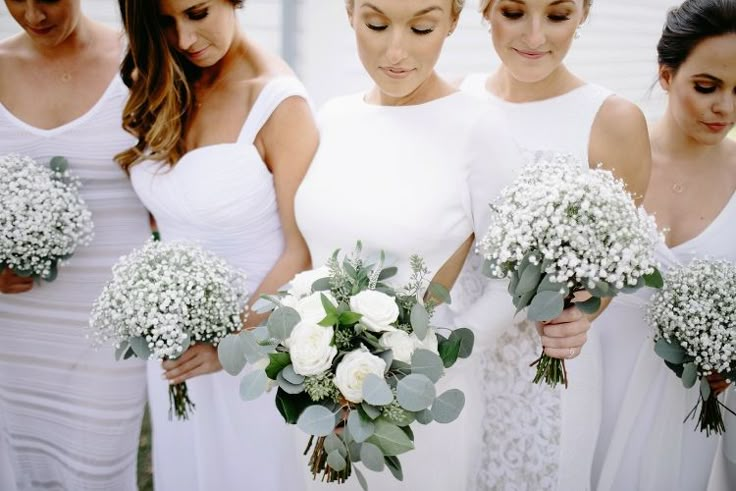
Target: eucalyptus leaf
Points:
x,y
230,355
59,164
249,346
522,301
376,391
601,289
281,322
394,466
291,376
467,340
372,457
361,428
53,272
449,351
673,353
545,306
252,385
387,356
336,461
654,279
277,362
287,386
705,389
631,289
263,305
388,273
322,285
291,406
333,442
317,420
547,285
427,363
529,279
371,412
139,345
424,416
487,268
121,350
419,320
689,375
415,392
513,282
354,451
590,306
390,438
447,407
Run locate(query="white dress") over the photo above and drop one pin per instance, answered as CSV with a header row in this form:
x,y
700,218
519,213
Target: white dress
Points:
x,y
69,414
221,196
399,179
644,444
535,437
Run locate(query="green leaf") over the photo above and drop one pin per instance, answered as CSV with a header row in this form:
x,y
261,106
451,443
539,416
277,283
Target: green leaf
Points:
x,y
361,428
334,442
230,355
529,279
328,305
440,292
467,339
329,320
252,385
631,289
388,273
689,375
53,272
427,363
361,479
705,389
394,466
419,320
602,289
281,322
277,362
447,407
545,306
376,391
139,345
449,351
513,282
487,268
371,412
249,346
654,279
264,304
349,318
336,461
673,353
59,164
291,406
322,285
287,386
317,420
590,306
291,376
522,301
121,350
424,417
372,457
548,285
354,451
390,438
415,392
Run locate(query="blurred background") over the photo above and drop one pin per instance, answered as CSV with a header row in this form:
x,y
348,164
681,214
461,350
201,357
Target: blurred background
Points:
x,y
616,48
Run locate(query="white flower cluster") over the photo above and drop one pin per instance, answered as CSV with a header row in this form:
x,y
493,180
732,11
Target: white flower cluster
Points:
x,y
170,294
696,309
43,219
582,222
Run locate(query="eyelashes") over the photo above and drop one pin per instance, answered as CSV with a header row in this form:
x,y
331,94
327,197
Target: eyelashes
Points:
x,y
704,89
518,14
421,31
198,15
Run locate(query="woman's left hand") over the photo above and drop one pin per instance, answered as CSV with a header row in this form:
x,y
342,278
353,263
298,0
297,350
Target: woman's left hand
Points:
x,y
717,383
199,359
564,336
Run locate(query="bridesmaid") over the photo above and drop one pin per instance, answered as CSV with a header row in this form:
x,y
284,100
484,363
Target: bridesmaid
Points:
x,y
69,414
548,109
643,442
224,135
409,167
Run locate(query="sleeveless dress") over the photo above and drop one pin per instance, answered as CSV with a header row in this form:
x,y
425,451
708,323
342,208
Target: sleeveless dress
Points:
x,y
69,413
545,437
644,444
221,196
401,179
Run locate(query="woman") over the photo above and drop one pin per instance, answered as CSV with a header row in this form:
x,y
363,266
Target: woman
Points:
x,y
69,414
225,135
548,110
409,168
643,442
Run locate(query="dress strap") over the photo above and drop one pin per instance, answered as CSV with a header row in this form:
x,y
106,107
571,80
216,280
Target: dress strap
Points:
x,y
272,95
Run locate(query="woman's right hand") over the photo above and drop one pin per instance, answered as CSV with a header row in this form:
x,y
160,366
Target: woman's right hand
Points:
x,y
12,283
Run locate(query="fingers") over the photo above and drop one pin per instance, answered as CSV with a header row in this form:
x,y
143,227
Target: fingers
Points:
x,y
189,354
17,288
564,343
563,353
184,371
564,336
199,359
12,283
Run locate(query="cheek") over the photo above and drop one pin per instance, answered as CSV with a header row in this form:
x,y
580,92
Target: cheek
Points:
x,y
691,105
502,33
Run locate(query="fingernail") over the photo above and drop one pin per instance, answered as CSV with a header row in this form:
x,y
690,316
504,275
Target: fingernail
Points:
x,y
163,376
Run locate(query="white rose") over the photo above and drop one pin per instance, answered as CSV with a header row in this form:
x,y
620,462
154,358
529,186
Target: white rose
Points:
x,y
301,285
400,343
379,310
311,349
429,342
352,370
311,309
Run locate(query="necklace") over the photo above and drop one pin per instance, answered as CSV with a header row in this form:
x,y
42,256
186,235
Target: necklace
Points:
x,y
66,76
678,188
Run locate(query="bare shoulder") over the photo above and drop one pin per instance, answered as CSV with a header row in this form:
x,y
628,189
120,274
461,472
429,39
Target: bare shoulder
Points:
x,y
109,43
620,117
13,47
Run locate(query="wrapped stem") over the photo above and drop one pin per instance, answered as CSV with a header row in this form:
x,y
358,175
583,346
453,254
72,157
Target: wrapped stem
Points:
x,y
179,402
551,370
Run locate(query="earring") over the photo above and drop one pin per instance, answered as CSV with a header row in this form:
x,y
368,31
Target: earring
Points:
x,y
578,30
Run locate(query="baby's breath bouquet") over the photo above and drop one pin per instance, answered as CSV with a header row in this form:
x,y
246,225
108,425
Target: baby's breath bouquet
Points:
x,y
42,216
164,297
355,361
694,318
562,228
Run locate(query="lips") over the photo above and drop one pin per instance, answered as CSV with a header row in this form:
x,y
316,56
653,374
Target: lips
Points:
x,y
717,127
40,31
530,54
397,72
196,54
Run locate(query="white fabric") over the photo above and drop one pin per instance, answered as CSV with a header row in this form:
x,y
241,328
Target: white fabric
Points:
x,y
71,414
409,180
644,444
221,196
534,437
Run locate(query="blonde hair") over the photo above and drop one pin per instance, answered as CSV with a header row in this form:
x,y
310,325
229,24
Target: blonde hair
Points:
x,y
485,6
457,7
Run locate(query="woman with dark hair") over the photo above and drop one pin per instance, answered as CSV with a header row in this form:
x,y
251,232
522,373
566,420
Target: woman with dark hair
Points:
x,y
224,136
643,442
69,414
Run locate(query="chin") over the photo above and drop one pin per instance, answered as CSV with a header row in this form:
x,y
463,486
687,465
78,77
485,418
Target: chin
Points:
x,y
530,75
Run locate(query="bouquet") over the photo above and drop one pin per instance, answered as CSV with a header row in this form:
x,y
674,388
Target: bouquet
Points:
x,y
694,318
562,228
355,362
42,216
164,297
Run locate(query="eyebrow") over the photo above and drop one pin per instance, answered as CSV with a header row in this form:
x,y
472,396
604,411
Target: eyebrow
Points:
x,y
196,6
708,76
557,2
417,14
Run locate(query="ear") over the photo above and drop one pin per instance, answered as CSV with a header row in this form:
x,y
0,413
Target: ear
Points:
x,y
349,12
665,77
453,26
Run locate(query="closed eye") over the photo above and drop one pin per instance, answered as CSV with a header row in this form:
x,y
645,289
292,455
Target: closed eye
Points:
x,y
376,27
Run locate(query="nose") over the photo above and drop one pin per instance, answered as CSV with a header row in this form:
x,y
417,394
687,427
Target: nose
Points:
x,y
535,35
185,36
396,52
34,15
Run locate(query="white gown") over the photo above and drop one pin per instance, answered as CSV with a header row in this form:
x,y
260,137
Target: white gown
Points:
x,y
400,179
644,444
70,414
221,196
534,437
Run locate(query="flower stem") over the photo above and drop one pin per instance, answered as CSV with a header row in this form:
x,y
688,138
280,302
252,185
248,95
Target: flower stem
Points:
x,y
179,402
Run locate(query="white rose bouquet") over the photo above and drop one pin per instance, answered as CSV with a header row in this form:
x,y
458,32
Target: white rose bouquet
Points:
x,y
355,362
164,297
694,319
42,216
562,228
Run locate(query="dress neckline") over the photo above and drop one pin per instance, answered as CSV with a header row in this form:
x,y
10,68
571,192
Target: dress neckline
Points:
x,y
362,95
717,220
68,125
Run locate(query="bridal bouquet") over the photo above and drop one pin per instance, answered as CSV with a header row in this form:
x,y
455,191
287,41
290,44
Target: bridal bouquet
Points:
x,y
355,362
694,318
562,228
164,297
42,216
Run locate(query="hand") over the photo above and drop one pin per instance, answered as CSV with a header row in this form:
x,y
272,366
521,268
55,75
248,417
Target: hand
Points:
x,y
717,383
12,283
199,359
564,336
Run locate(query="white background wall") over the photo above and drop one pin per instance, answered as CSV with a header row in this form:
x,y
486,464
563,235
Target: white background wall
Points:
x,y
616,49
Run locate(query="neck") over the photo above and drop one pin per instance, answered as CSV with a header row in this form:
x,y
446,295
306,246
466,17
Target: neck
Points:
x,y
432,88
505,86
224,67
669,139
